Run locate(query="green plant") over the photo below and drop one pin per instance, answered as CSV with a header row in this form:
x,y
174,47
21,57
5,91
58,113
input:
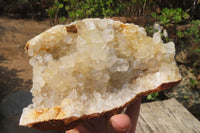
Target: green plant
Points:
x,y
95,8
186,97
168,16
77,9
194,83
179,34
153,96
193,31
55,14
150,31
192,36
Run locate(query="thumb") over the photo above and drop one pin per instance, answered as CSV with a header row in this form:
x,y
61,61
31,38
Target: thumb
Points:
x,y
120,123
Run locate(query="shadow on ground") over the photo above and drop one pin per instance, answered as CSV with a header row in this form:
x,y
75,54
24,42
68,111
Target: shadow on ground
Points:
x,y
9,81
13,98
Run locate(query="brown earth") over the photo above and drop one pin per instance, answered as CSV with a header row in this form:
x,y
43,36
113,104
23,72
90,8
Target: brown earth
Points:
x,y
15,71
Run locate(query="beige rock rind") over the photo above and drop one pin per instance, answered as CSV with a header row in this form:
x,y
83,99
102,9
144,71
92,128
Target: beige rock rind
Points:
x,y
94,67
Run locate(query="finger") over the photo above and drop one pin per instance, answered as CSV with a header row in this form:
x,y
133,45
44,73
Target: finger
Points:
x,y
120,123
82,129
78,129
75,130
133,112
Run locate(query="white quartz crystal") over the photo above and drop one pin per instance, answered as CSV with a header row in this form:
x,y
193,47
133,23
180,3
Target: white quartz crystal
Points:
x,y
94,65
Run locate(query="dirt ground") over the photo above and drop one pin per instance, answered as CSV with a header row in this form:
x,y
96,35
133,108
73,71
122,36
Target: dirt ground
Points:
x,y
15,71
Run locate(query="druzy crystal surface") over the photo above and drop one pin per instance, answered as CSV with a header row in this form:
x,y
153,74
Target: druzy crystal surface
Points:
x,y
93,65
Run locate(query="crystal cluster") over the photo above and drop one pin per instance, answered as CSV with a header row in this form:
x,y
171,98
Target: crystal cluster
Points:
x,y
94,65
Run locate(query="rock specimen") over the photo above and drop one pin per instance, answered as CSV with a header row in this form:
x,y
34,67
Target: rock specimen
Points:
x,y
94,68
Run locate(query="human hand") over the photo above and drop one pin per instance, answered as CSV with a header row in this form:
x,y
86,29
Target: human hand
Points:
x,y
120,123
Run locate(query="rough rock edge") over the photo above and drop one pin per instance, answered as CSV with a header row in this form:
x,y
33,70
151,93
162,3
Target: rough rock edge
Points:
x,y
71,122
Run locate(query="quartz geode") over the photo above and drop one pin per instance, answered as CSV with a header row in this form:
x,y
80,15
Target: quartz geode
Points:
x,y
93,66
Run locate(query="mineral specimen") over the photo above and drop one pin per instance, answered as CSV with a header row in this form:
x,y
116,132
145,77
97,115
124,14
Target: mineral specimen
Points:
x,y
93,66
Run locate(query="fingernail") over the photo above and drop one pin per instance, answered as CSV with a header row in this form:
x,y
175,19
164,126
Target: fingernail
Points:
x,y
118,128
121,123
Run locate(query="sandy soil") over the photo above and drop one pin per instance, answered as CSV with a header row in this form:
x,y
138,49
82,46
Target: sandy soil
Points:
x,y
15,71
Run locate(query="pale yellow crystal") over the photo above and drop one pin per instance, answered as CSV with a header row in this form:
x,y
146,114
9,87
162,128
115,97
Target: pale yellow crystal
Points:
x,y
99,65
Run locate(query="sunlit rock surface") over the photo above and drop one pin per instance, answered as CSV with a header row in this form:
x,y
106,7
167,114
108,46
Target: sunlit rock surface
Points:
x,y
94,65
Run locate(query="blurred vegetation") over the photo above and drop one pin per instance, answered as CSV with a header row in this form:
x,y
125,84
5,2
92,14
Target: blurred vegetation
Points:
x,y
153,96
25,8
170,15
78,9
190,40
192,31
